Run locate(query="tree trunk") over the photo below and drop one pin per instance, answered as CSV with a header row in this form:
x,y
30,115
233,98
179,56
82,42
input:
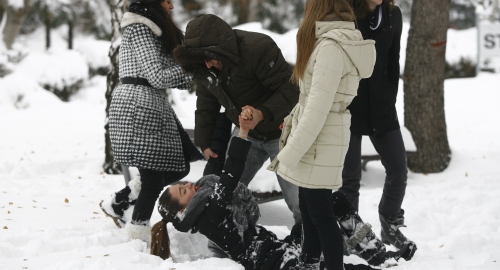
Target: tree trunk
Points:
x,y
117,8
70,34
242,9
47,27
424,85
15,19
253,9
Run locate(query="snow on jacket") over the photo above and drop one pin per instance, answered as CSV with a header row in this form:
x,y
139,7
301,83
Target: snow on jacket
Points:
x,y
254,73
258,249
143,125
316,134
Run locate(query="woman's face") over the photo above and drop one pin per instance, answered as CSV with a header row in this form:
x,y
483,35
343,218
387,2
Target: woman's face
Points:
x,y
372,4
183,193
167,5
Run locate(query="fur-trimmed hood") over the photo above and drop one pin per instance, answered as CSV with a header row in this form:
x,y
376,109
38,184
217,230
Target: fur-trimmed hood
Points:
x,y
208,37
130,18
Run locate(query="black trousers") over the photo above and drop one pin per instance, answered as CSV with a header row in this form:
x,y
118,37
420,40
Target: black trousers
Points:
x,y
391,149
321,233
152,184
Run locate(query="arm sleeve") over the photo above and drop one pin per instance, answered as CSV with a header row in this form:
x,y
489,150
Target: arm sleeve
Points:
x,y
235,162
274,74
149,57
327,72
220,139
393,68
207,109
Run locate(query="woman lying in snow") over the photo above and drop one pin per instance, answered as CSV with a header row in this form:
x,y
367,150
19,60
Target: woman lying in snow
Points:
x,y
225,211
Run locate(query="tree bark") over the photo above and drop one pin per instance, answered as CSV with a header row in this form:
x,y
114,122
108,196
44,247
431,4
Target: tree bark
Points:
x,y
47,27
424,85
118,8
15,19
242,9
70,34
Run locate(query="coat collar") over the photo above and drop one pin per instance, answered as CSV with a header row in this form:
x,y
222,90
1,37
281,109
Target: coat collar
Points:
x,y
323,27
133,18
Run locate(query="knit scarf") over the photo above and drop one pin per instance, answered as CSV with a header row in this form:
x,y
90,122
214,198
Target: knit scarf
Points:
x,y
243,207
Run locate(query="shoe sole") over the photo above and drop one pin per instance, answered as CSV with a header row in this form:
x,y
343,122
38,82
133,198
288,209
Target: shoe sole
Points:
x,y
115,219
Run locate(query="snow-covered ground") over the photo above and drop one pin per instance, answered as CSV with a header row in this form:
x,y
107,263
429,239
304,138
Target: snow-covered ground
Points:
x,y
51,179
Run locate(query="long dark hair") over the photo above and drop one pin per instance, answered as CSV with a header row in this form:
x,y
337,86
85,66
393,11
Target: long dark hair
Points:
x,y
171,34
361,8
160,241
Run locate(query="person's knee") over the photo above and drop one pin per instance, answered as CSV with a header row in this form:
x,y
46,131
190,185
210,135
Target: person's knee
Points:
x,y
323,219
152,187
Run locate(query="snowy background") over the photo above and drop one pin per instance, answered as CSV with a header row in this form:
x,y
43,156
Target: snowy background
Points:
x,y
51,179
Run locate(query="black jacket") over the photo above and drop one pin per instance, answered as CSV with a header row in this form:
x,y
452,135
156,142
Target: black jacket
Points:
x,y
254,73
260,249
373,109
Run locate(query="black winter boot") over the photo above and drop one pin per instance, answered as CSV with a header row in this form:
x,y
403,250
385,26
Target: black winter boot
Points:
x,y
390,233
359,237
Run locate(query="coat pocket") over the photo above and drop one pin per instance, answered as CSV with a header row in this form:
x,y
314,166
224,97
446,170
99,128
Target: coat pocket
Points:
x,y
149,116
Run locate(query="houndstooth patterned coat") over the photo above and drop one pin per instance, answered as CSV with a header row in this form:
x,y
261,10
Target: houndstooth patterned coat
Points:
x,y
143,125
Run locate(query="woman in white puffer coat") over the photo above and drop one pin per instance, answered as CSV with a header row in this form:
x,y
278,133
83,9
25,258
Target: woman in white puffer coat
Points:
x,y
332,58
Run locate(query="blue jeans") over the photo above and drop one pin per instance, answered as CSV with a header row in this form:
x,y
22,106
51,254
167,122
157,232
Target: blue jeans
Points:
x,y
259,153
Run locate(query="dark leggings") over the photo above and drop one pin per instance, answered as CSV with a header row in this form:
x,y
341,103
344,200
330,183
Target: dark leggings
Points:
x,y
392,152
152,183
321,232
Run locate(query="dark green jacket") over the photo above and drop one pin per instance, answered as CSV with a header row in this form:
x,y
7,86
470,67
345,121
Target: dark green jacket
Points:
x,y
254,73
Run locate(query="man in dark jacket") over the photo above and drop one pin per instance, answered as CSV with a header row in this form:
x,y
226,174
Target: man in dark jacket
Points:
x,y
237,69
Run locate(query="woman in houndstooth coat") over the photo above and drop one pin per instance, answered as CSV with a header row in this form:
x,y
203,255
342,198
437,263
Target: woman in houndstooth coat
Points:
x,y
145,131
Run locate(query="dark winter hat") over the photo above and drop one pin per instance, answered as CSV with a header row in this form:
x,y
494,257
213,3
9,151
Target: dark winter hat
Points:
x,y
208,37
142,1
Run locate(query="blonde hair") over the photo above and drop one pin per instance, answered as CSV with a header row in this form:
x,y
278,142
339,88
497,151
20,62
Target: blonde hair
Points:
x,y
315,10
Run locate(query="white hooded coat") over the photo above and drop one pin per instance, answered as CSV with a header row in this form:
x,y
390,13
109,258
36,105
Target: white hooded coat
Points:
x,y
316,134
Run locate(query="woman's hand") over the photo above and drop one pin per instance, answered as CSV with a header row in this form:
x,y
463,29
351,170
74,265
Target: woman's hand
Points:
x,y
208,153
243,129
281,125
251,117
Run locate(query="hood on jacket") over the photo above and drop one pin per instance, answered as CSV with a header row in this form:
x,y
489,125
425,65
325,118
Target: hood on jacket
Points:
x,y
362,52
207,37
132,18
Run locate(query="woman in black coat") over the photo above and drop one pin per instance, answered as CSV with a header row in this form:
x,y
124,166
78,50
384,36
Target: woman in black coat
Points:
x,y
225,211
374,114
145,132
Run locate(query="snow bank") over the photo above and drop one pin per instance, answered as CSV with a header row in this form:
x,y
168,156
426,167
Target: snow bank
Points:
x,y
95,51
57,68
21,92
